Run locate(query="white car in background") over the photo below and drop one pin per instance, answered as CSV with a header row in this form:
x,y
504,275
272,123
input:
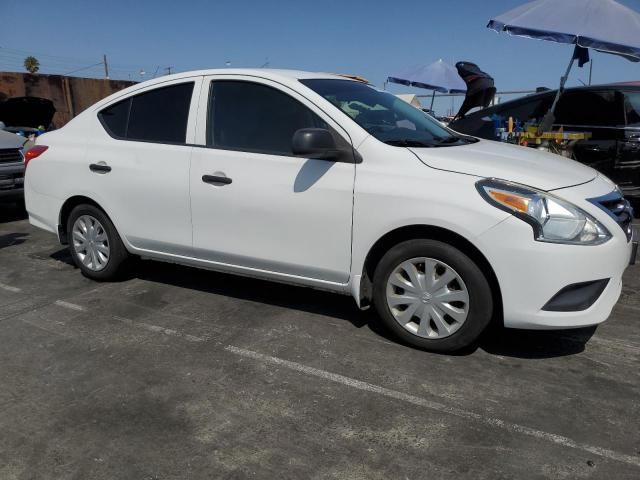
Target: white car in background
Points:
x,y
322,181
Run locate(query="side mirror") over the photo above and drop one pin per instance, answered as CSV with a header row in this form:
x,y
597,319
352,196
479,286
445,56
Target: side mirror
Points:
x,y
316,143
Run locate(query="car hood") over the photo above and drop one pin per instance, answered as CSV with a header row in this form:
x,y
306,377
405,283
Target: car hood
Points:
x,y
527,166
11,140
27,112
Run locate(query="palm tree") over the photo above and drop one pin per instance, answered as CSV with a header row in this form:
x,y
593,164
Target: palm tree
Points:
x,y
31,64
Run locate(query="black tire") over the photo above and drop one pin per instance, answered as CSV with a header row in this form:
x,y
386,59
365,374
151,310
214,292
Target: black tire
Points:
x,y
118,255
479,290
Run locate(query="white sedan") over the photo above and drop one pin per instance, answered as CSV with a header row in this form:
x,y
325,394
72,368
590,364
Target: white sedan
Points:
x,y
318,180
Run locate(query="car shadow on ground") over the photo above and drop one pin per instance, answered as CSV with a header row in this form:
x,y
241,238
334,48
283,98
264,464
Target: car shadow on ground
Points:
x,y
288,296
10,239
532,344
12,212
496,341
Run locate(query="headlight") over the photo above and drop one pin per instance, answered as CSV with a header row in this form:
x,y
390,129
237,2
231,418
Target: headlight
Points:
x,y
553,220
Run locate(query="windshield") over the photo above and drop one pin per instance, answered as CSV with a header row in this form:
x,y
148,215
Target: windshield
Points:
x,y
385,116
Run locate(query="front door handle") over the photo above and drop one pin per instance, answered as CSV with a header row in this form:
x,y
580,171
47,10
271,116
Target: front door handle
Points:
x,y
99,168
216,179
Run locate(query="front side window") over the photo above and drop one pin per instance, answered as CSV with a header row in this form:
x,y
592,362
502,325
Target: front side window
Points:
x,y
253,117
158,115
531,110
385,116
632,108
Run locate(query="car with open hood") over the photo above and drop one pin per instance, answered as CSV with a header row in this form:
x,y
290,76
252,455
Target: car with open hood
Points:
x,y
323,181
11,167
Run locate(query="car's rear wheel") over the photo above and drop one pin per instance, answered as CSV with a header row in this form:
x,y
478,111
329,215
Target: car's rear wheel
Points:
x,y
94,243
431,295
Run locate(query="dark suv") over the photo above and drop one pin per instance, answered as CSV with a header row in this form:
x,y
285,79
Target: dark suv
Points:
x,y
610,112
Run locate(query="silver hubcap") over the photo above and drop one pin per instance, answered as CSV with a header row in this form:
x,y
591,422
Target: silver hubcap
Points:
x,y
90,242
427,297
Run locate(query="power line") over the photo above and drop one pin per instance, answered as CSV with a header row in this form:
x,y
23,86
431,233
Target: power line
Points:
x,y
54,58
12,59
83,68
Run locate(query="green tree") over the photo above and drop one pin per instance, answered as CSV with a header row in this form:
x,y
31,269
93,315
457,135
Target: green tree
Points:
x,y
31,64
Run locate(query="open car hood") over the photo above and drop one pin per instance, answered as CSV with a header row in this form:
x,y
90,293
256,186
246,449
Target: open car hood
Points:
x,y
27,112
527,166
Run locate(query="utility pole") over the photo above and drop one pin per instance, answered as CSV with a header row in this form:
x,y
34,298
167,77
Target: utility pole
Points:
x,y
590,70
106,66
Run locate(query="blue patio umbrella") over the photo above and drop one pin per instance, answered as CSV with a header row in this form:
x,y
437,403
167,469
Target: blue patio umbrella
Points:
x,y
439,77
604,25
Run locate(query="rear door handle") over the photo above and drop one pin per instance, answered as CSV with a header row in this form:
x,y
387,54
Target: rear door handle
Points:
x,y
99,168
216,179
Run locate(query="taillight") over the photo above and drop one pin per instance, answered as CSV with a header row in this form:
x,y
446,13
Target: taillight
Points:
x,y
34,152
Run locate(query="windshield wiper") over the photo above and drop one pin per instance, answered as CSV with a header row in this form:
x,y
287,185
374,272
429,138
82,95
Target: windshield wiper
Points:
x,y
451,139
409,143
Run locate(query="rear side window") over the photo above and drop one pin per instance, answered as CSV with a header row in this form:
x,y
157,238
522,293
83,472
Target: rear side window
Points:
x,y
158,115
252,117
590,108
632,108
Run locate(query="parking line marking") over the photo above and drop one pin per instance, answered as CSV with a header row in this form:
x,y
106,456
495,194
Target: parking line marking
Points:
x,y
9,288
158,329
70,306
439,407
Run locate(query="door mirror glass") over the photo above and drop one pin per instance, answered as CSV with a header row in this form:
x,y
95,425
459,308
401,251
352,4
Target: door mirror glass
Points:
x,y
316,143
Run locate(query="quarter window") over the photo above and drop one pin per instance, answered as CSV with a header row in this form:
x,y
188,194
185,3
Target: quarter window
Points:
x,y
252,117
158,115
115,118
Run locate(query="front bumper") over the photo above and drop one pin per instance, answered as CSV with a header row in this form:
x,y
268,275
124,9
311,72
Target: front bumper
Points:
x,y
11,182
532,273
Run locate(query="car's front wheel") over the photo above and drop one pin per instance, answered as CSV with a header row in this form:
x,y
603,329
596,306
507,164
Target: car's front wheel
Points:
x,y
94,243
432,295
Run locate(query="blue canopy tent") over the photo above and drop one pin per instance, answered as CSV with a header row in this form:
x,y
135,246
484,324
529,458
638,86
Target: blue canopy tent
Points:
x,y
604,25
439,77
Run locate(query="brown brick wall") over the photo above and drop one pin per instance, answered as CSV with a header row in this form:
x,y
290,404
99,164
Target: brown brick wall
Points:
x,y
70,95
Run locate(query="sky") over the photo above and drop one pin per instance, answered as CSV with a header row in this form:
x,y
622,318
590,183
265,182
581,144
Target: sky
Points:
x,y
372,38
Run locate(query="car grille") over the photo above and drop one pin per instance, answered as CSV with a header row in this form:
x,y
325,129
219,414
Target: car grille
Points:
x,y
11,182
618,208
10,155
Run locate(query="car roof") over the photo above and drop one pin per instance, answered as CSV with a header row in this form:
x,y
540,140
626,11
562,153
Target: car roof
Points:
x,y
634,86
286,77
269,73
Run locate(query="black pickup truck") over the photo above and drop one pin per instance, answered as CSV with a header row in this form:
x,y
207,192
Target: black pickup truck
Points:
x,y
611,113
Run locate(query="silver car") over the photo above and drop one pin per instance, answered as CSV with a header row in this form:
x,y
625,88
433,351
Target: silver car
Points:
x,y
11,167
